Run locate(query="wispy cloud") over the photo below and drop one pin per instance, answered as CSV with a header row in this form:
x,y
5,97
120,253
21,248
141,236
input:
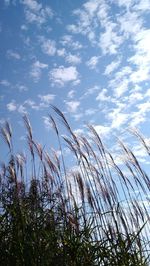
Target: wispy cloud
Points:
x,y
90,91
71,94
12,106
36,70
13,54
73,59
72,106
102,130
46,100
102,96
67,40
5,83
62,75
36,13
48,46
93,62
112,67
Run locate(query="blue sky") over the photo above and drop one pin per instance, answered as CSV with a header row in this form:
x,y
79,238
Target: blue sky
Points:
x,y
89,58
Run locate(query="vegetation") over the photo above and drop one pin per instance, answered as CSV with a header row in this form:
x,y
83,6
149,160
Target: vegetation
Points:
x,y
86,215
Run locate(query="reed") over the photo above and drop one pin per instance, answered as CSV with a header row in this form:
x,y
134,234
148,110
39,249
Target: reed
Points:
x,y
53,214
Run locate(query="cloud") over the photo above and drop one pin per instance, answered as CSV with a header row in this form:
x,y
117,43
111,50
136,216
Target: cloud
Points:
x,y
22,109
126,3
36,13
12,54
30,103
36,70
46,99
48,46
94,22
111,67
91,91
92,63
70,94
102,96
102,130
119,119
85,18
61,52
12,106
47,123
110,40
32,5
5,83
141,58
72,106
7,2
120,82
62,75
90,111
73,59
67,40
21,87
143,5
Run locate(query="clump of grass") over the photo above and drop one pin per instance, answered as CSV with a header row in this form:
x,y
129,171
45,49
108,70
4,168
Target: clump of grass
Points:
x,y
53,215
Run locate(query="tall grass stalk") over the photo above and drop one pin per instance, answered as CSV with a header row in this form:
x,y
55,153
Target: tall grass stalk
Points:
x,y
89,214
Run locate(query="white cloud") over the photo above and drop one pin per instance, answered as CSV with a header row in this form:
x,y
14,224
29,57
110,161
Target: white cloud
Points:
x,y
121,88
79,132
141,58
12,106
126,3
91,91
31,104
47,123
137,118
32,5
5,83
36,13
121,81
92,63
61,52
102,130
130,24
119,120
70,94
36,70
143,5
110,41
135,96
21,109
90,111
144,107
62,75
47,99
21,87
67,40
73,59
12,54
111,67
48,46
102,96
72,106
91,7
